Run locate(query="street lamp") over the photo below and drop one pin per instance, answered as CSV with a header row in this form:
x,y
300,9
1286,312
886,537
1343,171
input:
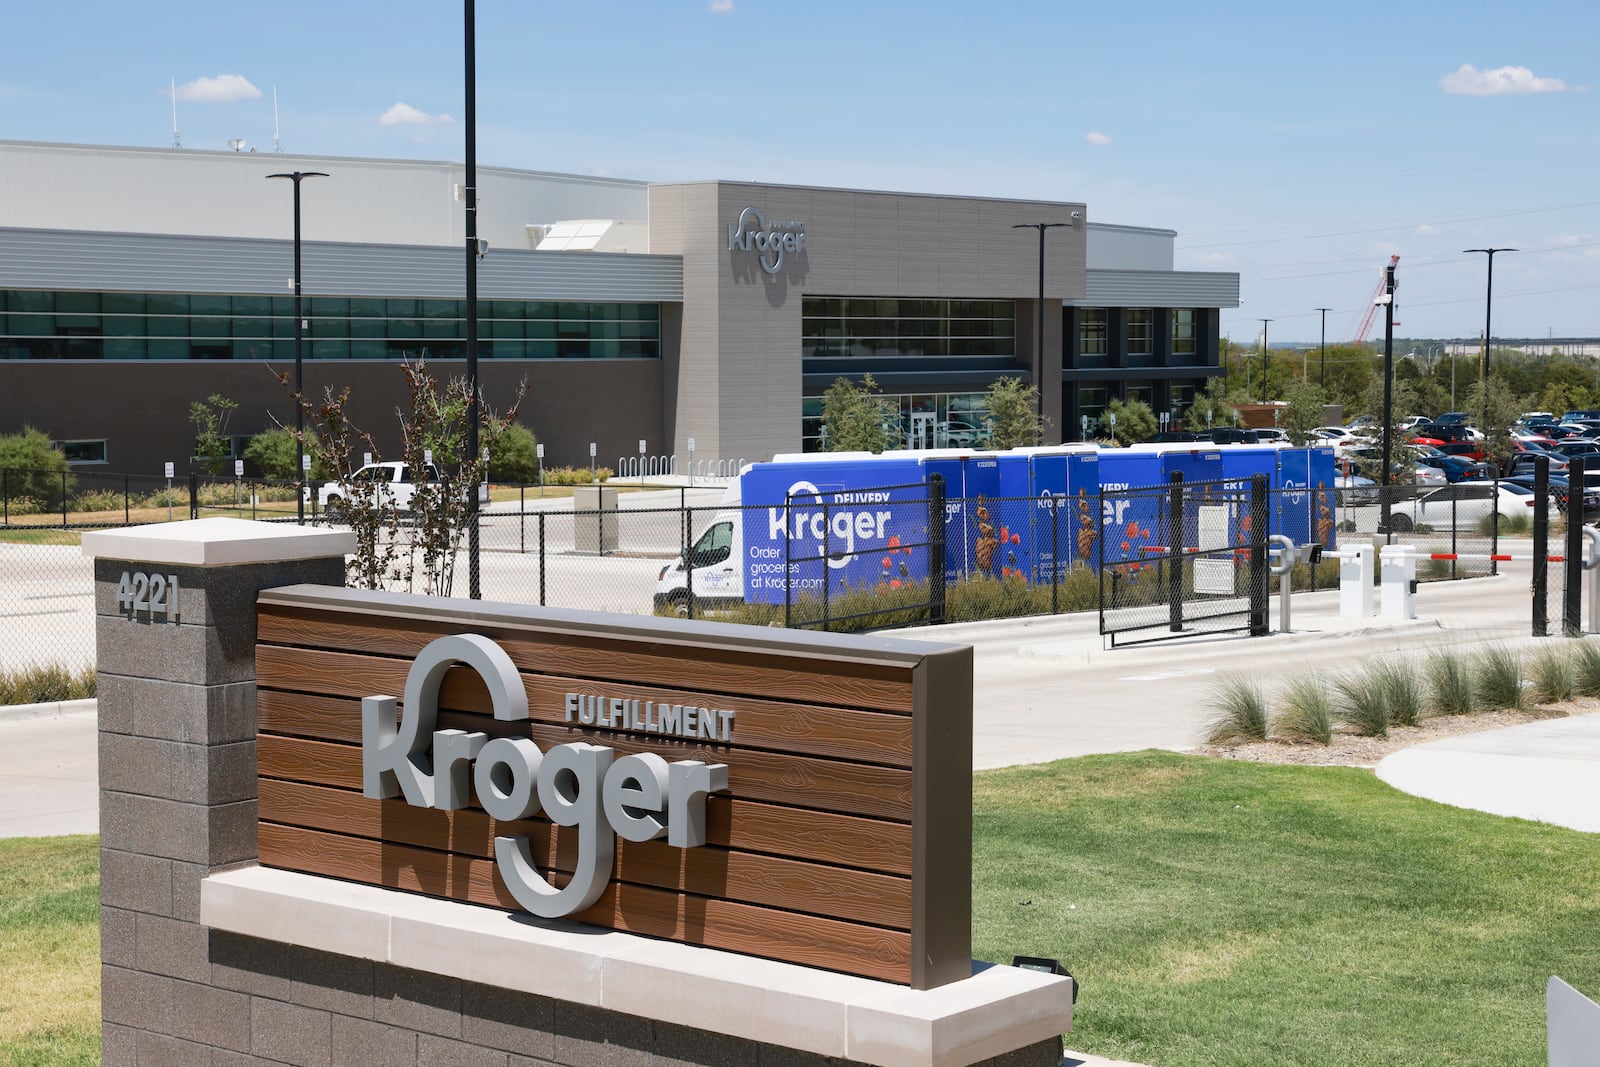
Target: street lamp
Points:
x,y
299,387
1488,303
1038,352
1264,360
1324,382
474,251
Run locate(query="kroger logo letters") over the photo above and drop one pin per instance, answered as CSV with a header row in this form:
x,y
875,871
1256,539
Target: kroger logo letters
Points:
x,y
752,234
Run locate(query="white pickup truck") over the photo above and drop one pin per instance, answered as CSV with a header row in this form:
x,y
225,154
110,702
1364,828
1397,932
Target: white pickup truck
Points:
x,y
392,479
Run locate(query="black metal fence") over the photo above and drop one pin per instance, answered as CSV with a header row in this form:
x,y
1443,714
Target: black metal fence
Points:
x,y
1186,559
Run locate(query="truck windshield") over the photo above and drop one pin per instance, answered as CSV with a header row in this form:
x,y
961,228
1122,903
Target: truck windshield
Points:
x,y
713,546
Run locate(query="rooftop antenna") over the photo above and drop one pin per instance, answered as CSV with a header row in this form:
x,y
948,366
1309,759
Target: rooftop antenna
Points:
x,y
276,147
175,142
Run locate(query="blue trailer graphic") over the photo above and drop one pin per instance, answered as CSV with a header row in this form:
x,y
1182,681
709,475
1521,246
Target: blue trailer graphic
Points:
x,y
849,524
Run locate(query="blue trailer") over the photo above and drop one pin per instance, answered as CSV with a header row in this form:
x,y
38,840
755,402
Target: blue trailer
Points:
x,y
852,524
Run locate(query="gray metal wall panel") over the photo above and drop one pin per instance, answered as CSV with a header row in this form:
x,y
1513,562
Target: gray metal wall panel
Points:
x,y
59,259
1159,288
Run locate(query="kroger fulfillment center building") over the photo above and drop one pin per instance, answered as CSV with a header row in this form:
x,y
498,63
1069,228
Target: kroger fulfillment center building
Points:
x,y
134,281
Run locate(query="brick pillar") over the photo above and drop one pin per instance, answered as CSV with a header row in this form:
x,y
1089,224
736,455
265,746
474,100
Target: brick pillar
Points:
x,y
177,764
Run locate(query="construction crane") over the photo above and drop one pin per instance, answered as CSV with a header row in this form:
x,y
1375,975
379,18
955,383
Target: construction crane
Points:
x,y
1372,302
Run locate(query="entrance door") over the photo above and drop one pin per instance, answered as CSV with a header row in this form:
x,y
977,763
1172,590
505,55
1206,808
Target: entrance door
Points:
x,y
919,431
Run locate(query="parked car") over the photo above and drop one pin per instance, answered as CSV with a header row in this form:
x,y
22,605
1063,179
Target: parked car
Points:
x,y
1454,468
1523,461
1463,505
1272,436
392,479
1581,413
1560,488
1176,437
1354,491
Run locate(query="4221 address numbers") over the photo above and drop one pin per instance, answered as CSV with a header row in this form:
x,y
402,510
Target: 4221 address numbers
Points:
x,y
154,593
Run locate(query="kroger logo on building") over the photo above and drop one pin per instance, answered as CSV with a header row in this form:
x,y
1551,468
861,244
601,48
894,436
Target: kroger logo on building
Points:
x,y
752,233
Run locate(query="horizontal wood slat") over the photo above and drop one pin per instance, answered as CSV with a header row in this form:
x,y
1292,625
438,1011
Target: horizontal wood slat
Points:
x,y
812,729
708,668
722,924
857,895
828,785
816,853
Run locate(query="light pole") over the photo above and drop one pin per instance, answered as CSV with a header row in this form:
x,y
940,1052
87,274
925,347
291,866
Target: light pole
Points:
x,y
470,195
1387,299
1488,304
1264,360
1038,352
299,386
1324,372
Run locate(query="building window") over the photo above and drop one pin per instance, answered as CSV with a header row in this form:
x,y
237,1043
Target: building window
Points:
x,y
1141,331
1092,331
66,325
83,451
1092,400
1142,394
1183,331
837,327
925,420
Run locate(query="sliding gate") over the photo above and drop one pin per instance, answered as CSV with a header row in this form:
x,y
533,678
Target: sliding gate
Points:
x,y
1183,559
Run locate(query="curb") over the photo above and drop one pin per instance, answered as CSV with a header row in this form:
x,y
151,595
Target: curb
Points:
x,y
51,709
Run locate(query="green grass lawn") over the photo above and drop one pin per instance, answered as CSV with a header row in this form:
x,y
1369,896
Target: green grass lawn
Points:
x,y
49,951
1223,912
1217,912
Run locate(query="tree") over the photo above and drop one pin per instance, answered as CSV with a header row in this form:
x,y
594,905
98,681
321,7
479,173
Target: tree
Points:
x,y
33,470
272,454
212,446
1134,421
1304,411
1494,408
1402,466
1211,407
855,418
1013,408
513,454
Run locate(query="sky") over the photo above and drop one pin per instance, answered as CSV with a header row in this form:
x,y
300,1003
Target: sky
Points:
x,y
1298,145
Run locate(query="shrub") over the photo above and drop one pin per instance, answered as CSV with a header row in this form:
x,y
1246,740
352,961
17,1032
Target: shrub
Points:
x,y
272,455
1307,713
97,500
34,471
1239,709
1497,682
1363,704
1450,680
1402,689
1553,674
575,475
46,684
513,455
1587,669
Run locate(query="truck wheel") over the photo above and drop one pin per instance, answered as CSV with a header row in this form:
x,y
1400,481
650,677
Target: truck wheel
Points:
x,y
680,604
334,509
1400,523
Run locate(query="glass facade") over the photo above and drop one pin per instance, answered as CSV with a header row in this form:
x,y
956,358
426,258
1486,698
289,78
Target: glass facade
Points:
x,y
70,325
833,327
926,420
1092,331
1183,331
1141,331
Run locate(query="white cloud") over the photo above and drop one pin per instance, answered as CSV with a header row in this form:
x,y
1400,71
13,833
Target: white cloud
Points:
x,y
721,7
1096,137
222,88
1425,230
403,114
1471,81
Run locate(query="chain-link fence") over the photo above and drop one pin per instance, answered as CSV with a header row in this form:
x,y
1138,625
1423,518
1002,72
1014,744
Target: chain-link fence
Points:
x,y
869,562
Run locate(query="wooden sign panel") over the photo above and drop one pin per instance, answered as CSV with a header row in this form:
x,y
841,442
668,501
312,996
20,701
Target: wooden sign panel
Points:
x,y
843,839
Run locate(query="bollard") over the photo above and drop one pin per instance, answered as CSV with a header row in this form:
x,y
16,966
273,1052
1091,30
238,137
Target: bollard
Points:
x,y
1591,566
1356,591
1284,569
1398,564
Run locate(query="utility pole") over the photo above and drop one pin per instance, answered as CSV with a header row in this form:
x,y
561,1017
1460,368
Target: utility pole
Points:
x,y
1264,359
1324,375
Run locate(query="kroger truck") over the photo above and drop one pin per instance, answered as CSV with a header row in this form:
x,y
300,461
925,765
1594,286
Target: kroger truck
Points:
x,y
791,528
